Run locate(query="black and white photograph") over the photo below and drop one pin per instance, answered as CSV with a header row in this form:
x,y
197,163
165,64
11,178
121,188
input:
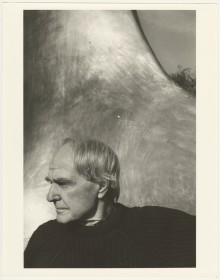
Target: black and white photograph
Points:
x,y
109,139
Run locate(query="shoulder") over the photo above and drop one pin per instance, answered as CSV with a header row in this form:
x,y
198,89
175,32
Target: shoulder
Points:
x,y
169,234
174,219
45,227
41,233
161,218
161,213
39,241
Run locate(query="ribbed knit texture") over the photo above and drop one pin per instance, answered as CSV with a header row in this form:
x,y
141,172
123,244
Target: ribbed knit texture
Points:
x,y
131,237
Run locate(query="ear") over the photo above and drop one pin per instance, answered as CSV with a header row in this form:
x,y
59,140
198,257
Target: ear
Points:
x,y
103,189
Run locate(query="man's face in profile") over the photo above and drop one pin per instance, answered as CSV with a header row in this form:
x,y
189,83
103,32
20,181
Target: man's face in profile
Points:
x,y
73,196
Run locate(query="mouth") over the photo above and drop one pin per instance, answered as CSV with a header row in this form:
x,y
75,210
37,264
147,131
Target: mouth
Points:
x,y
61,210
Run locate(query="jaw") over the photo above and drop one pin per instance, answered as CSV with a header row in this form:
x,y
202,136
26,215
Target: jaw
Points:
x,y
64,216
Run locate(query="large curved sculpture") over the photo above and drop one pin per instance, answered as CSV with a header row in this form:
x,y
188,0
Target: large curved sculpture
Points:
x,y
93,73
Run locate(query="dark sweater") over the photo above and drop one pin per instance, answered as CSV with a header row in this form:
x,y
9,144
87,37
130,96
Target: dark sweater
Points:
x,y
131,237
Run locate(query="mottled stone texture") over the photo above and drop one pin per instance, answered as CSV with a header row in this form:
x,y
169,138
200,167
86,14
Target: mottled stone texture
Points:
x,y
93,73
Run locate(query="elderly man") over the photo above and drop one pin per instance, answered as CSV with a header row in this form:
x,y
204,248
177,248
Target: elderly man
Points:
x,y
93,230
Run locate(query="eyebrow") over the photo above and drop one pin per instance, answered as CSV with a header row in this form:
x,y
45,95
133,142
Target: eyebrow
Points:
x,y
60,181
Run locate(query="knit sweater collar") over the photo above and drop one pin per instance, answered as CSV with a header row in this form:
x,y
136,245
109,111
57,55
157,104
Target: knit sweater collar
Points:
x,y
111,222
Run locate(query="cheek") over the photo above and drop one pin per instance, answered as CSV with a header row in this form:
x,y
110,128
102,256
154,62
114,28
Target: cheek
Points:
x,y
82,196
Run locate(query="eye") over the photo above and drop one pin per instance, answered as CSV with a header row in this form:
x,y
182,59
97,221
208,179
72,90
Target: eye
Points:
x,y
64,183
64,186
67,184
72,184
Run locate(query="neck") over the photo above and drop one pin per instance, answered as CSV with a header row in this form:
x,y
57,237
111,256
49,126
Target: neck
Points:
x,y
104,210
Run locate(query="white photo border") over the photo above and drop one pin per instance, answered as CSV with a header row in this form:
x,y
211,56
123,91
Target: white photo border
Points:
x,y
207,123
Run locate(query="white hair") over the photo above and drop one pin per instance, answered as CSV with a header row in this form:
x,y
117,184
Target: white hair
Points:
x,y
96,162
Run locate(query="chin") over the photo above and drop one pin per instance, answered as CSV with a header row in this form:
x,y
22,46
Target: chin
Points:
x,y
64,219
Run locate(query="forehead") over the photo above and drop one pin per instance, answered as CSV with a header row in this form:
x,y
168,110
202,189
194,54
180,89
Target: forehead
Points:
x,y
62,173
63,160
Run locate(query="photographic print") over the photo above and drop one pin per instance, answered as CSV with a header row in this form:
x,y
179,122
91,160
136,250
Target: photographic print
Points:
x,y
109,138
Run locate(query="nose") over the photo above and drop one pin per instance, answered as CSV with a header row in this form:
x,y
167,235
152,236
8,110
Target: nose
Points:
x,y
53,194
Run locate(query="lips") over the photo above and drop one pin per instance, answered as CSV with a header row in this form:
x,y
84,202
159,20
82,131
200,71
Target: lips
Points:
x,y
61,210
